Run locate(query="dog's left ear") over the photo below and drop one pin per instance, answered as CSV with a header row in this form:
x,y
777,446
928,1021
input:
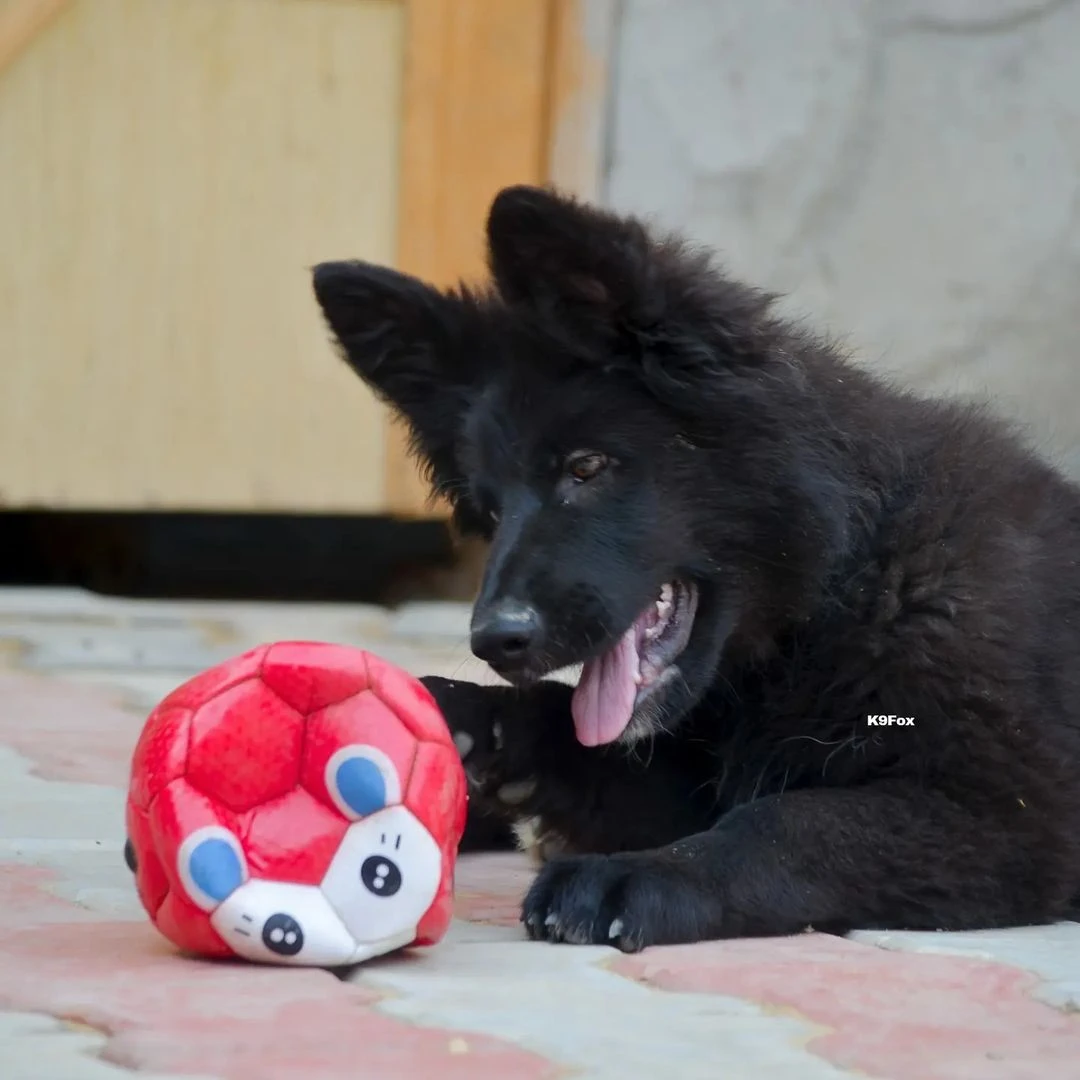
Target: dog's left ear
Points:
x,y
612,282
555,253
416,347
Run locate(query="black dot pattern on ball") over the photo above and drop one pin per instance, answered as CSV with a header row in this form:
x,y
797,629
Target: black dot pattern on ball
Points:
x,y
380,875
282,935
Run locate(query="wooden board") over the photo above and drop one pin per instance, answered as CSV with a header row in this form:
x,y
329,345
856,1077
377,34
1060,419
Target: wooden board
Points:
x,y
168,172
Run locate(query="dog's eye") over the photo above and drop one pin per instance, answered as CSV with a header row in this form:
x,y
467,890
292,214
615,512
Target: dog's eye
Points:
x,y
585,464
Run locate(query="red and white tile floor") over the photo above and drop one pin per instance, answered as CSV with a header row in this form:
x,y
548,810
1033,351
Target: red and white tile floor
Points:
x,y
88,990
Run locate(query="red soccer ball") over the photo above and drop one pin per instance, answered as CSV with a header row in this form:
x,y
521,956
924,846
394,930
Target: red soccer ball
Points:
x,y
300,804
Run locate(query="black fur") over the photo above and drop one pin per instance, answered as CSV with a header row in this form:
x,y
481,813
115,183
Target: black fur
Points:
x,y
857,550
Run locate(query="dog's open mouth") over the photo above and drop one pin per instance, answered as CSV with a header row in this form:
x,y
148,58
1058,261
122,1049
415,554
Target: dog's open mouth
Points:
x,y
615,683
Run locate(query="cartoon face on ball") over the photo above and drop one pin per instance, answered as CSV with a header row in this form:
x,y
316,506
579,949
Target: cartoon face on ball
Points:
x,y
381,880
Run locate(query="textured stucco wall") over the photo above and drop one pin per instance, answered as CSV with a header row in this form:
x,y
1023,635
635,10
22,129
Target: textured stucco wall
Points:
x,y
907,171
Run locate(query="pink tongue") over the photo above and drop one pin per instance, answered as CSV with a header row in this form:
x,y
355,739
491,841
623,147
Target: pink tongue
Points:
x,y
604,699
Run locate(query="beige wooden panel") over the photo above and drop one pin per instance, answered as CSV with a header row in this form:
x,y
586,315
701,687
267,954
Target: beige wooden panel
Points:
x,y
21,21
169,169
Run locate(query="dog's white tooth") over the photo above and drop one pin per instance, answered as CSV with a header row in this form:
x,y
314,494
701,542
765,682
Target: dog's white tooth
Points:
x,y
464,743
616,928
551,920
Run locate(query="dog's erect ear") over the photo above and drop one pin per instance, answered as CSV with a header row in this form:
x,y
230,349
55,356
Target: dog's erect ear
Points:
x,y
555,253
398,334
613,283
408,342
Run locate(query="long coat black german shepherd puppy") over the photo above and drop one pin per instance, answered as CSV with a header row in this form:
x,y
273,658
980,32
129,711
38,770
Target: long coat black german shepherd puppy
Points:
x,y
830,629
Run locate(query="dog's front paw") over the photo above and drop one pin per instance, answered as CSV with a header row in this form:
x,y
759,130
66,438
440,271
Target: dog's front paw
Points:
x,y
629,901
498,775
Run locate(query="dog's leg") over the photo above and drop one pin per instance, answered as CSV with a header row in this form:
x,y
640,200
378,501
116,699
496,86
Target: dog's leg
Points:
x,y
528,772
828,859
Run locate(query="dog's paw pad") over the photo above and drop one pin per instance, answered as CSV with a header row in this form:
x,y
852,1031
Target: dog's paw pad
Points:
x,y
516,792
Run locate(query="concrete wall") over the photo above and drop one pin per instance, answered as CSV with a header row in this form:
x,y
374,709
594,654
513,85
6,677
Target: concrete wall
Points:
x,y
907,171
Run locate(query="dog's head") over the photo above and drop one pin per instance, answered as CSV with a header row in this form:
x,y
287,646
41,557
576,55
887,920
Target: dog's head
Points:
x,y
623,423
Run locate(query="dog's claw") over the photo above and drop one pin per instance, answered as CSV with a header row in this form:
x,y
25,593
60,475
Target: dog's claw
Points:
x,y
533,928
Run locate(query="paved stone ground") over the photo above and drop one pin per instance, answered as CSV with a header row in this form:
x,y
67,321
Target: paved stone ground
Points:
x,y
89,991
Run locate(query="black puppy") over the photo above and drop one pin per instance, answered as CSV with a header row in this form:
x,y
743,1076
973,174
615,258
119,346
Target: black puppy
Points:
x,y
830,630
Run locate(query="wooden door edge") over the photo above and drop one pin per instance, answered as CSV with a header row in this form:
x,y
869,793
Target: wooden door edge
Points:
x,y
570,123
581,47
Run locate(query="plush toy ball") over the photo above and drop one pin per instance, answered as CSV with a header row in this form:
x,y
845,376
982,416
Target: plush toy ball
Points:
x,y
300,804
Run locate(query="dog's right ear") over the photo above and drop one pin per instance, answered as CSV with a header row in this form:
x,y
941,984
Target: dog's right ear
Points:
x,y
398,334
407,341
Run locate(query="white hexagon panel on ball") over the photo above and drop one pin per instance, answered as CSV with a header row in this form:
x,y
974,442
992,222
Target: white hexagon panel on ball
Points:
x,y
383,879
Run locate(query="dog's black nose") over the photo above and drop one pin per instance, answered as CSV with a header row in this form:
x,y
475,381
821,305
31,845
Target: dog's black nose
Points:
x,y
507,635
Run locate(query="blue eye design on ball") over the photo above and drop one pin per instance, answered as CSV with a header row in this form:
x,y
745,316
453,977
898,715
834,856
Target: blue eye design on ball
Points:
x,y
362,780
211,865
